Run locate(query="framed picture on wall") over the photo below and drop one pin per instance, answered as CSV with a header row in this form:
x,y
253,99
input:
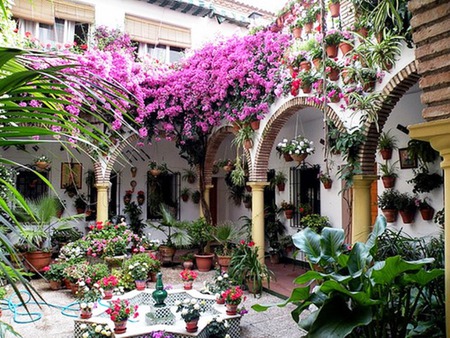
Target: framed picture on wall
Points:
x,y
71,174
406,161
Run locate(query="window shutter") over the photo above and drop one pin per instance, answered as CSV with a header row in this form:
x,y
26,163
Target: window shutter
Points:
x,y
74,11
34,10
149,31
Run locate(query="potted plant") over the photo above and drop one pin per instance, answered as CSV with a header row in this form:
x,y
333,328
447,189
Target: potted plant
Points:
x,y
138,270
200,235
423,181
225,234
189,176
42,162
368,77
185,192
156,168
288,209
335,8
426,210
273,230
244,137
299,148
119,311
296,28
310,16
80,203
54,273
127,197
246,268
315,222
387,202
326,180
406,205
190,310
388,174
384,53
37,229
70,189
386,144
307,78
140,197
332,39
279,180
188,260
188,276
87,295
233,297
107,285
332,69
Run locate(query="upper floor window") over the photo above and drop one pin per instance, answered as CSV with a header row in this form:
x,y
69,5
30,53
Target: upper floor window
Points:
x,y
162,41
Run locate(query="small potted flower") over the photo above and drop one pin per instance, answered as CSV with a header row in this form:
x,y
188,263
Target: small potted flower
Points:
x,y
127,197
218,327
42,162
307,78
426,210
87,298
107,284
406,205
54,273
139,272
216,287
325,179
286,148
140,197
288,209
335,8
332,39
190,311
119,311
302,148
95,330
188,277
233,297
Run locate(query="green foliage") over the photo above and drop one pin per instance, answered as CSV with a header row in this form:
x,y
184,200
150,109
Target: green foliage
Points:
x,y
386,141
406,202
357,295
200,234
245,267
315,222
388,170
172,228
388,199
423,151
134,211
226,234
423,181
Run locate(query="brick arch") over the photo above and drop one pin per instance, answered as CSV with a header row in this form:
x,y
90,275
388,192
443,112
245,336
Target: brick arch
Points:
x,y
214,143
273,127
393,91
103,175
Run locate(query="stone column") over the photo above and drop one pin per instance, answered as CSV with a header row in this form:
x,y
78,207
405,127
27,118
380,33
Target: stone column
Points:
x,y
361,208
258,216
438,134
102,201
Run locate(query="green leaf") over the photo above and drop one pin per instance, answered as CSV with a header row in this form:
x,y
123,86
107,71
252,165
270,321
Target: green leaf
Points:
x,y
336,320
385,272
308,277
332,242
358,259
424,277
378,229
360,297
309,242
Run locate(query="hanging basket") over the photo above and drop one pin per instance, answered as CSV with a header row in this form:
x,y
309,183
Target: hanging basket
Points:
x,y
299,158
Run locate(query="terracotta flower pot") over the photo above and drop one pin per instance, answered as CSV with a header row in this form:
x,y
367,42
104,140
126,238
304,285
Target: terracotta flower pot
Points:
x,y
345,47
37,260
224,262
120,326
55,284
281,187
334,74
327,184
297,32
332,51
299,158
335,9
407,216
85,313
140,285
192,326
427,213
231,309
188,265
204,262
289,214
306,89
317,63
308,27
287,157
386,154
108,294
248,144
369,86
390,214
305,65
187,285
220,300
388,181
255,124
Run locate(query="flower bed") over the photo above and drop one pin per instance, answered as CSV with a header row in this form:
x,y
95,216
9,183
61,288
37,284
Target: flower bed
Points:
x,y
138,327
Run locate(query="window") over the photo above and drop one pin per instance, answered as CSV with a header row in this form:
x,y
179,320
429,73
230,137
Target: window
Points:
x,y
162,41
30,186
162,189
305,189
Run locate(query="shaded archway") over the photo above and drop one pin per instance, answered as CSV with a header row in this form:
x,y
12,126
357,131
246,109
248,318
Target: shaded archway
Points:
x,y
273,127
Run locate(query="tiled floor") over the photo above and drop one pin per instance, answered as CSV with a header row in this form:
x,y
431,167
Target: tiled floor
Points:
x,y
285,274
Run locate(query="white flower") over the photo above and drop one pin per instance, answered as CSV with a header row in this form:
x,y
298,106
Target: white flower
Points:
x,y
83,327
83,305
225,275
96,285
197,307
103,332
184,311
98,329
85,335
193,301
108,333
285,140
90,305
219,320
81,283
227,336
177,302
226,324
217,295
302,143
219,278
186,301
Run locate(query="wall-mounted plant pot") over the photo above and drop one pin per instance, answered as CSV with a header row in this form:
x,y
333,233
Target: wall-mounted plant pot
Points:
x,y
427,213
281,187
155,172
185,198
335,9
289,214
327,184
388,181
255,124
386,154
390,214
407,216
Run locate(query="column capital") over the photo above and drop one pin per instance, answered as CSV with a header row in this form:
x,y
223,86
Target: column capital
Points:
x,y
209,186
258,186
362,181
437,133
102,185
